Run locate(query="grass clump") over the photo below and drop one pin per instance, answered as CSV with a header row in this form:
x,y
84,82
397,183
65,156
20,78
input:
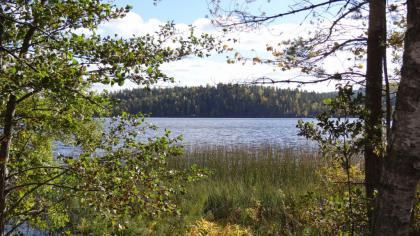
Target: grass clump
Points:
x,y
203,227
258,189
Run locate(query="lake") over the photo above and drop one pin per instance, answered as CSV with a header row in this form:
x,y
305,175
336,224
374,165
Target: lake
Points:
x,y
252,132
227,132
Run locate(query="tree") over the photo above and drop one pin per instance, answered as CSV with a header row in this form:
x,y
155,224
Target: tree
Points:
x,y
401,171
307,53
373,101
327,40
227,101
47,70
341,141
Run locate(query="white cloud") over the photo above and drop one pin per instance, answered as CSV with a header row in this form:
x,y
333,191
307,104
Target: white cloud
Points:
x,y
213,70
205,71
196,72
131,24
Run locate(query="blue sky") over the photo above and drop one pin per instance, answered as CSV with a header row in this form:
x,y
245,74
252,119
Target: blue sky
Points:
x,y
146,17
180,11
186,11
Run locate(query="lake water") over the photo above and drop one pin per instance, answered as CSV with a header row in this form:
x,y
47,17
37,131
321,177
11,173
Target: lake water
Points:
x,y
234,131
227,132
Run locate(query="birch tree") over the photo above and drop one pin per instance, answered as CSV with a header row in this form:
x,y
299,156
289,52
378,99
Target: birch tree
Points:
x,y
47,69
401,171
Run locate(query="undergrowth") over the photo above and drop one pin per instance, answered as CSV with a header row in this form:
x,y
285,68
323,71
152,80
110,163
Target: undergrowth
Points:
x,y
263,191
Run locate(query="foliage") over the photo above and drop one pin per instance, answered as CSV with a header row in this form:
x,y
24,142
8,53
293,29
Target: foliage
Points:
x,y
204,227
331,211
336,133
48,67
330,214
341,141
221,101
329,28
124,175
257,190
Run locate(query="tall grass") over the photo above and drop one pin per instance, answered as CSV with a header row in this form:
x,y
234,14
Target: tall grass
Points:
x,y
266,166
257,191
252,187
251,191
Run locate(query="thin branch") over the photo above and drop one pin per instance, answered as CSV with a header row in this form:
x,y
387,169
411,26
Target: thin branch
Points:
x,y
387,92
341,45
86,97
18,225
259,19
19,153
18,58
266,80
28,95
336,76
35,168
336,21
54,185
32,213
17,203
349,73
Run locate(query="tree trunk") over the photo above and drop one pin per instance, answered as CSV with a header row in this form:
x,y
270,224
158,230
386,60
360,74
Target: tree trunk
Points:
x,y
401,171
4,156
373,120
373,104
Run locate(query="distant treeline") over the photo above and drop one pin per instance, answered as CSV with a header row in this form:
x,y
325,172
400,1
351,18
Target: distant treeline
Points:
x,y
221,101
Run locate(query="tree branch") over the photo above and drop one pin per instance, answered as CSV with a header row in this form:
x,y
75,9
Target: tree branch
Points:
x,y
27,95
341,45
246,19
336,21
35,168
17,203
266,80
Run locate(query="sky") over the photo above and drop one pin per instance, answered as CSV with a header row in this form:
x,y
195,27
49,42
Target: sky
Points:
x,y
146,17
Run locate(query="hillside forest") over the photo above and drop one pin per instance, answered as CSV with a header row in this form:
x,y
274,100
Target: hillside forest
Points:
x,y
222,100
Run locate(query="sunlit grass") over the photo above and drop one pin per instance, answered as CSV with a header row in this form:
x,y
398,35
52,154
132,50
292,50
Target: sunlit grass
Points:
x,y
256,167
252,187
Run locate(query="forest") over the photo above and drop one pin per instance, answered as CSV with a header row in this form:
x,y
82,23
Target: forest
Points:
x,y
222,100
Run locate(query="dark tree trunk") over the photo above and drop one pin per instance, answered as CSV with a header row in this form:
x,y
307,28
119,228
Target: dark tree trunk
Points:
x,y
373,120
6,141
401,171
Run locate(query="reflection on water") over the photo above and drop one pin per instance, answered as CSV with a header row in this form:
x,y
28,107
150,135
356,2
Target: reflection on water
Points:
x,y
249,132
252,132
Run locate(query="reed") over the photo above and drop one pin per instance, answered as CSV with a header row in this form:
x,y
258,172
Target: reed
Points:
x,y
273,166
252,187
